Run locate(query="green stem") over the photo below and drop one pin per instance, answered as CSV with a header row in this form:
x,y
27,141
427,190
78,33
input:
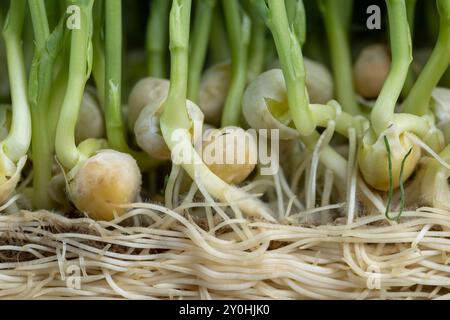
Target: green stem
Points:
x,y
54,11
66,149
17,143
239,37
115,128
297,19
432,20
98,63
39,91
40,22
157,38
200,35
445,81
336,17
59,89
175,114
411,13
113,75
257,48
290,10
418,101
176,125
383,111
218,45
291,58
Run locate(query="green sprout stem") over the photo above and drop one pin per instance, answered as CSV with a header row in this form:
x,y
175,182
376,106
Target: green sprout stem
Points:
x,y
176,126
175,114
383,112
314,46
113,75
257,48
59,89
291,59
445,81
157,38
336,15
18,140
98,63
40,22
218,45
411,13
432,20
290,10
297,19
200,34
115,128
80,53
418,101
239,35
54,8
41,76
391,188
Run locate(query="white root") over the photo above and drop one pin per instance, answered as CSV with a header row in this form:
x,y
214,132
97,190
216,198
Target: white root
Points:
x,y
334,262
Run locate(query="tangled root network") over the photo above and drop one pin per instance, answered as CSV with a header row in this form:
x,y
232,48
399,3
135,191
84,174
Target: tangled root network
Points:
x,y
202,249
181,254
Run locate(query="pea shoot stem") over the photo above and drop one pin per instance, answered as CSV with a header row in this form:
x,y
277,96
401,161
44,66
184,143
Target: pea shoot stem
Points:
x,y
98,65
291,58
200,35
66,148
115,128
218,45
157,38
411,14
16,144
383,112
175,113
337,16
418,101
40,87
239,38
257,48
